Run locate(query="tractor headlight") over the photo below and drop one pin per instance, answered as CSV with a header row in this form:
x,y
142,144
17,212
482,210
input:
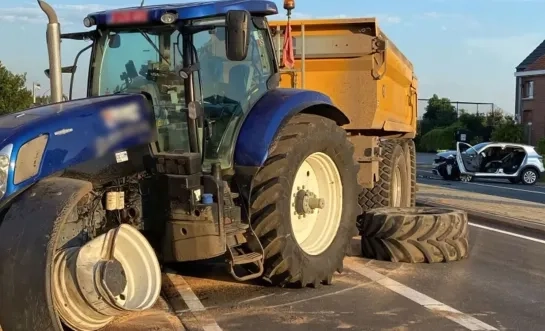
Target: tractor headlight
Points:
x,y
5,156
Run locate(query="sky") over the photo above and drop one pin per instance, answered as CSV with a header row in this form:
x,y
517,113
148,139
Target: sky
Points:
x,y
465,50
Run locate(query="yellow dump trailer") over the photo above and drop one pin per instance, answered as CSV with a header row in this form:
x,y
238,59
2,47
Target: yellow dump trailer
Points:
x,y
358,67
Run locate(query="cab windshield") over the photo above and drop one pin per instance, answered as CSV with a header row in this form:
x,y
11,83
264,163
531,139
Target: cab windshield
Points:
x,y
149,60
146,61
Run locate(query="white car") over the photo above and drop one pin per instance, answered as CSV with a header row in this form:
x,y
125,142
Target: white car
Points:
x,y
514,162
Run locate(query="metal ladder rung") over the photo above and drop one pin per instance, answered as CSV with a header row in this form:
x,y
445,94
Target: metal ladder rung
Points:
x,y
246,258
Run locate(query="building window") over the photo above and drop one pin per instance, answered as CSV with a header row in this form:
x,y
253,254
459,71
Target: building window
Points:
x,y
528,90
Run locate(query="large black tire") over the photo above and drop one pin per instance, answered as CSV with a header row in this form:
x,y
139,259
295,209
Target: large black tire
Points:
x,y
393,155
30,234
285,261
410,147
414,235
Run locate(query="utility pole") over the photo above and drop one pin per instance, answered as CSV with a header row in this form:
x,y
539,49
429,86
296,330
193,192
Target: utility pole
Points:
x,y
35,86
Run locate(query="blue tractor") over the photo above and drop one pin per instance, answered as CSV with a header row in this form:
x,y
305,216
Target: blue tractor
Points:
x,y
184,149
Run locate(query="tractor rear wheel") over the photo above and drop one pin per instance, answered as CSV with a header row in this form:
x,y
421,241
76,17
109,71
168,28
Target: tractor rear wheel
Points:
x,y
302,205
58,273
414,235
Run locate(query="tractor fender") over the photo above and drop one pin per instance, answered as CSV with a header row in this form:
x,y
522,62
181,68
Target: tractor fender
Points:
x,y
269,114
28,235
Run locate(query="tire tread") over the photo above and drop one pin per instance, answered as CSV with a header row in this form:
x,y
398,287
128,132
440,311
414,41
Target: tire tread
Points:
x,y
415,235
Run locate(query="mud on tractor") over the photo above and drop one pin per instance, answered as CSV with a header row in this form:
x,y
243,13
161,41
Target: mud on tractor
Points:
x,y
193,143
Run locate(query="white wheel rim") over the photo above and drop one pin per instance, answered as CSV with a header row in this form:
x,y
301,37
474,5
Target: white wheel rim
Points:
x,y
314,232
395,190
530,177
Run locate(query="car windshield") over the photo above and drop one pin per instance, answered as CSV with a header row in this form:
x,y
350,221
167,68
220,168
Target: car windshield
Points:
x,y
480,146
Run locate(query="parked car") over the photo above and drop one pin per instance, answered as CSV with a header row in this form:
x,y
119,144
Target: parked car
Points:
x,y
514,162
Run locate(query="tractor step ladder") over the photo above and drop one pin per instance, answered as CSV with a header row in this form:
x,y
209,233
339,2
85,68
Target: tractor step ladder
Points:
x,y
239,232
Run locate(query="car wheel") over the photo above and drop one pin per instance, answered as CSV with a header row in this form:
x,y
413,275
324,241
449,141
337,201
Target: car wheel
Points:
x,y
529,176
466,178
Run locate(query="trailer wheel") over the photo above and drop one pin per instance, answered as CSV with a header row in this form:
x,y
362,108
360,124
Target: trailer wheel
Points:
x,y
302,205
57,272
414,235
395,185
410,149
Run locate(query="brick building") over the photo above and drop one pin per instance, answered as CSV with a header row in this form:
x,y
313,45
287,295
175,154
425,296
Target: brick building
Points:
x,y
530,94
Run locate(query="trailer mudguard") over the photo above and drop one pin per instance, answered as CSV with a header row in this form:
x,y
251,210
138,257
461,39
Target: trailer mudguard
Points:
x,y
28,236
270,113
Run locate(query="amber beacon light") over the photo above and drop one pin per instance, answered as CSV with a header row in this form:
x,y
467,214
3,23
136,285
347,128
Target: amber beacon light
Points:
x,y
289,5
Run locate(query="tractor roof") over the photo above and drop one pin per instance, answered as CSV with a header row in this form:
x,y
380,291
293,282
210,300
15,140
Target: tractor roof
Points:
x,y
191,10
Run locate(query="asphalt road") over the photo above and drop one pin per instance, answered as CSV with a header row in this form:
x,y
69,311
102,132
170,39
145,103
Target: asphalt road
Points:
x,y
501,188
499,287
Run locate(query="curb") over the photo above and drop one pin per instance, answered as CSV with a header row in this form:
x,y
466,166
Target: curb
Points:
x,y
491,219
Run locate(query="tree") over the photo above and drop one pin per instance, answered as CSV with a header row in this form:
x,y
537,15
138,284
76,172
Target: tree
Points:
x,y
439,113
14,96
43,99
495,117
472,122
508,131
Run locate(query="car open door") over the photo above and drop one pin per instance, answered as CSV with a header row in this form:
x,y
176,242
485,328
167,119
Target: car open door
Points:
x,y
469,160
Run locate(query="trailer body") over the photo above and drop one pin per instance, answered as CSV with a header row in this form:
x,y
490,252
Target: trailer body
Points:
x,y
358,67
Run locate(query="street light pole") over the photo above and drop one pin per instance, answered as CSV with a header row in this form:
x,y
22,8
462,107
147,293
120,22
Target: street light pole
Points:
x,y
35,86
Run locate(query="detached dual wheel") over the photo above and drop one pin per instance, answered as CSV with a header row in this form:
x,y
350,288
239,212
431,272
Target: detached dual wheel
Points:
x,y
302,202
57,274
414,235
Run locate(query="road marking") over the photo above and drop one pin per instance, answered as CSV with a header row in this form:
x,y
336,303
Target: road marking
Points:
x,y
508,233
508,188
206,321
291,303
467,321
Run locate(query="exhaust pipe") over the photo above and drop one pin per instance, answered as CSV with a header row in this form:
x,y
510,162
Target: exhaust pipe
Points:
x,y
53,37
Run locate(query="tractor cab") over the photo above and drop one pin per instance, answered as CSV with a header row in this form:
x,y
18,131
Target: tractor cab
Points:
x,y
201,75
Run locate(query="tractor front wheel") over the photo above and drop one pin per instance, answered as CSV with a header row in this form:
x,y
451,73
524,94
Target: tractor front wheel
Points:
x,y
302,202
58,273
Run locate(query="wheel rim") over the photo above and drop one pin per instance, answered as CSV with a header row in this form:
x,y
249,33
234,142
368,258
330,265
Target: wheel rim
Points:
x,y
113,274
529,177
316,203
396,188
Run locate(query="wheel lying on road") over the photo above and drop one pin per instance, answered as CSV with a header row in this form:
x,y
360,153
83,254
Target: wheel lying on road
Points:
x,y
53,270
302,206
414,235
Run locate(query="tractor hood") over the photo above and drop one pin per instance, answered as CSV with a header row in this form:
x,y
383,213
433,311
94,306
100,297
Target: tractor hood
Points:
x,y
49,118
45,140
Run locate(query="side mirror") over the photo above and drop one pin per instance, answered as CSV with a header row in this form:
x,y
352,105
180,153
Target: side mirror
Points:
x,y
237,36
115,41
